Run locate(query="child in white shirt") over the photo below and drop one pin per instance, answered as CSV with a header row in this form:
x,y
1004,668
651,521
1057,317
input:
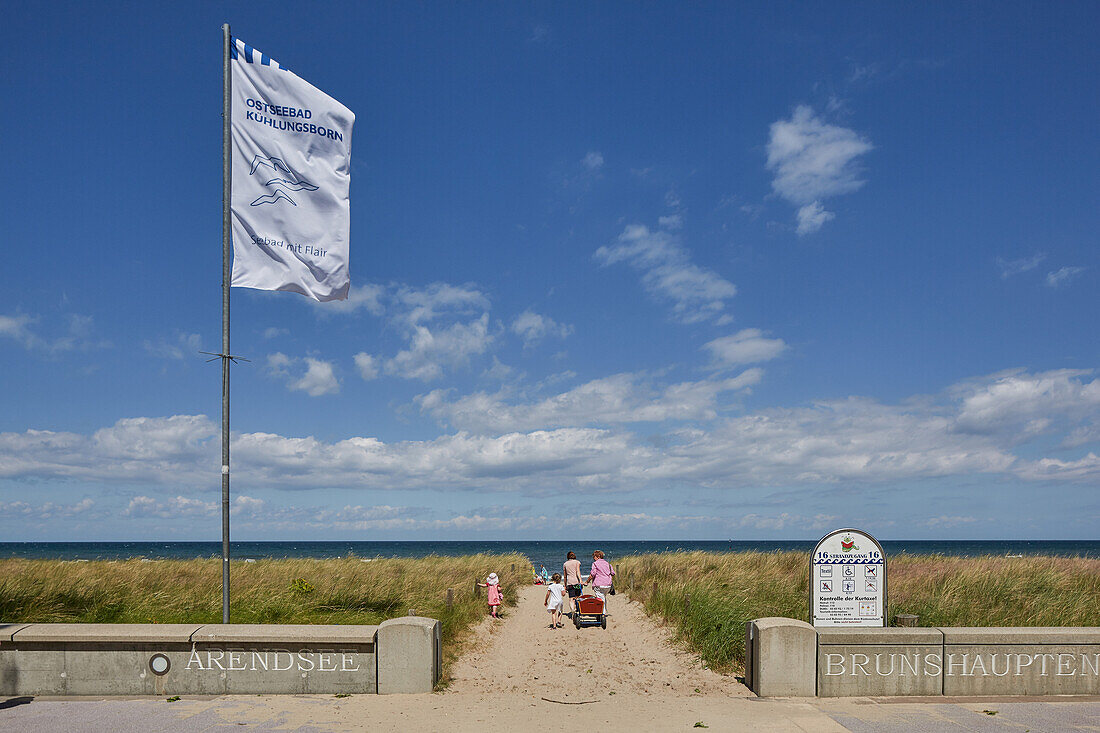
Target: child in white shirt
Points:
x,y
553,600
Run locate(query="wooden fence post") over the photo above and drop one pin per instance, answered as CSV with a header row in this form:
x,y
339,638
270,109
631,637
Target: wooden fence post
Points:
x,y
412,611
655,589
476,591
450,598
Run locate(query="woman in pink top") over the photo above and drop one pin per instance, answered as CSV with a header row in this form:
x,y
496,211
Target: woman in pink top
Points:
x,y
601,577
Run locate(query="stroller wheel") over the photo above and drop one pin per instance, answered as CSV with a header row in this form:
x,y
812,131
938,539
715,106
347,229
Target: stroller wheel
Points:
x,y
603,622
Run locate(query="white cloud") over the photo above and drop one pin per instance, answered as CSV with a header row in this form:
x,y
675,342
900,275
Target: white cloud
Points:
x,y
1009,268
748,346
1047,469
431,350
622,398
170,508
812,217
697,294
185,507
1062,276
971,429
278,364
318,380
77,336
499,371
533,327
433,347
275,332
408,304
247,506
672,222
319,377
593,161
421,305
367,297
16,327
949,521
1022,404
145,449
367,365
184,345
813,160
852,440
24,511
443,324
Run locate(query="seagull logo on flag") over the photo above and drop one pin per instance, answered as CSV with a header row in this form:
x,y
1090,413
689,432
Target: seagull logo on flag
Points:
x,y
285,180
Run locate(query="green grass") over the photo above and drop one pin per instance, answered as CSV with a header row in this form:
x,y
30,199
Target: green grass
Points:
x,y
303,591
727,589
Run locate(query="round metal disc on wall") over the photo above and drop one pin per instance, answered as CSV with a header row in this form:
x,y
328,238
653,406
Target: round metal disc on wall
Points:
x,y
159,664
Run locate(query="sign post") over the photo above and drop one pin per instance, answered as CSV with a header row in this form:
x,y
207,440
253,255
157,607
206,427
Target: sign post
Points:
x,y
848,580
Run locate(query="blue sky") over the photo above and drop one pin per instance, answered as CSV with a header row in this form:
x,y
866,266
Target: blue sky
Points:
x,y
718,271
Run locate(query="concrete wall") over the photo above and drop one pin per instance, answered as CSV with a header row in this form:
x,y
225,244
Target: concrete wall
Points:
x,y
420,666
783,655
882,661
175,659
1021,661
921,661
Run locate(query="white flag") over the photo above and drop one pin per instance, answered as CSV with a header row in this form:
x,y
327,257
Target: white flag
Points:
x,y
291,174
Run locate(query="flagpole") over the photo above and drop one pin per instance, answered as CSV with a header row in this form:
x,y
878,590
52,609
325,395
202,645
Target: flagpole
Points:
x,y
226,276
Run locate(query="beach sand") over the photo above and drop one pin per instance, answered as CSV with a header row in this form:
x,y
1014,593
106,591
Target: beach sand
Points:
x,y
633,656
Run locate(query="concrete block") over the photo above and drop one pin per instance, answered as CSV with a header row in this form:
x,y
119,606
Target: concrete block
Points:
x,y
883,635
1021,669
118,659
748,654
285,634
410,656
784,658
107,669
34,682
857,670
40,673
105,633
1032,660
232,667
1021,635
879,661
7,630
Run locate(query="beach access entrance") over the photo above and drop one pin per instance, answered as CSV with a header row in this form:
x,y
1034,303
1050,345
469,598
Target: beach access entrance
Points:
x,y
401,655
786,657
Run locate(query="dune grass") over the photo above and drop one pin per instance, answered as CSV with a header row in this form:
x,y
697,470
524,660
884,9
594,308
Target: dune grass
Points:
x,y
292,591
727,589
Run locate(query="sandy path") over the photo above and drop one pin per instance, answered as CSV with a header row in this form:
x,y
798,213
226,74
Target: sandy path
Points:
x,y
632,656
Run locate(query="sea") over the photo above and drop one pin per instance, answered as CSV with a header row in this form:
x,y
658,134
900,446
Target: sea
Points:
x,y
548,553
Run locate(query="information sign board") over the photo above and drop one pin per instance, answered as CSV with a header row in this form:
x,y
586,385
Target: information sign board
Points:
x,y
848,580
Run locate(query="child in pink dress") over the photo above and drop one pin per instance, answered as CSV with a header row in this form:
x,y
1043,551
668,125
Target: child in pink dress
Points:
x,y
496,596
